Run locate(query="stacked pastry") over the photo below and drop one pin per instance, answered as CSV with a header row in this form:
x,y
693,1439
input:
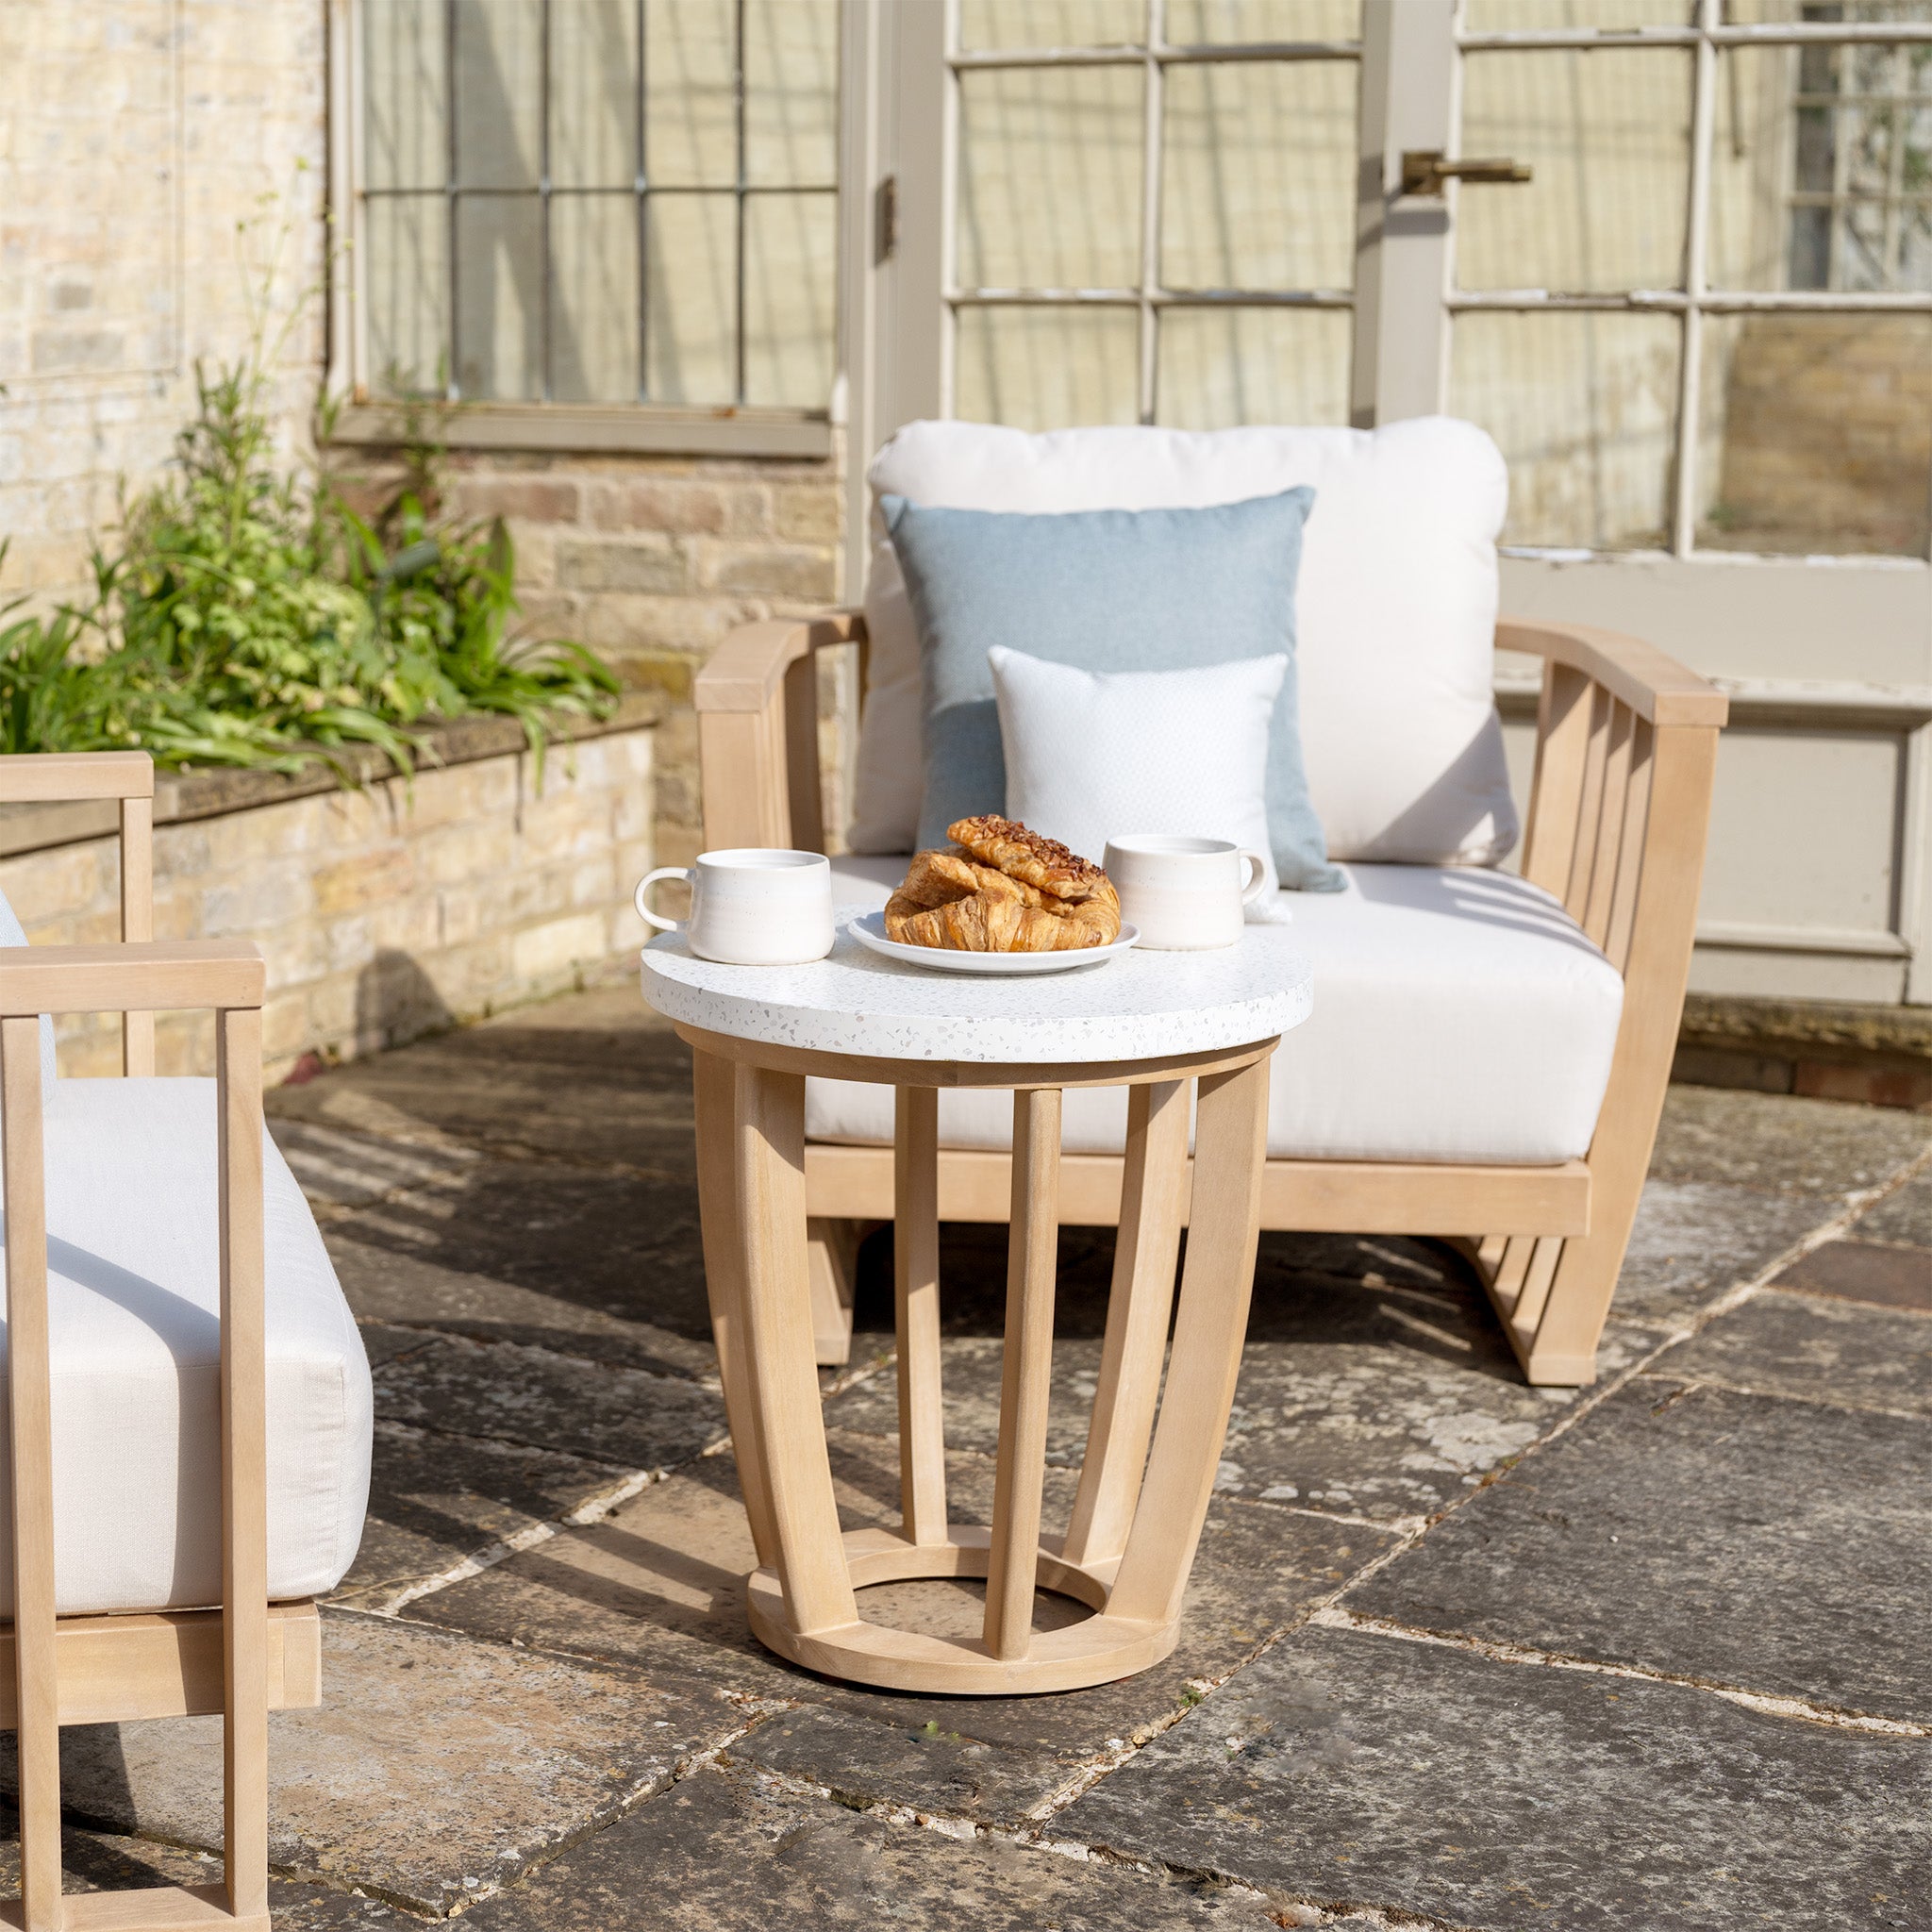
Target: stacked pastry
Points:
x,y
1001,889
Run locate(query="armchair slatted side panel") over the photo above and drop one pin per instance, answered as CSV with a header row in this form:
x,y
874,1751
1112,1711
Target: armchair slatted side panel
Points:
x,y
1620,808
248,1656
1620,811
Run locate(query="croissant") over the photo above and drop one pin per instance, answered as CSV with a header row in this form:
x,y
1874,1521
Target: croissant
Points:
x,y
958,901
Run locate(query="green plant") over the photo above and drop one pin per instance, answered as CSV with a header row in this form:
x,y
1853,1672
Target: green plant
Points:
x,y
249,615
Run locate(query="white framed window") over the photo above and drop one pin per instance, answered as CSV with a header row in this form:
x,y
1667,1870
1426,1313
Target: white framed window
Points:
x,y
595,223
1154,215
1706,324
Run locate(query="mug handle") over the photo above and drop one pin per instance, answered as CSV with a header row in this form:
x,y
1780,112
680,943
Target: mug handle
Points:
x,y
1257,867
645,885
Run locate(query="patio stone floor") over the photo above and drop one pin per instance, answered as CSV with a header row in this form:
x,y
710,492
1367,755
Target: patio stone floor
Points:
x,y
1457,1653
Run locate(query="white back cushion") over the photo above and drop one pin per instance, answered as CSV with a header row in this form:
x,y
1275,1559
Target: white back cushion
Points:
x,y
1396,609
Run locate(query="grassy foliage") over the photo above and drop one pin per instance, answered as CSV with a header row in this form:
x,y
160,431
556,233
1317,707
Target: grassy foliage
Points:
x,y
251,617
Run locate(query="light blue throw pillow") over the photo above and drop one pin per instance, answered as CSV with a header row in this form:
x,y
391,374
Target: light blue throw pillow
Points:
x,y
1108,590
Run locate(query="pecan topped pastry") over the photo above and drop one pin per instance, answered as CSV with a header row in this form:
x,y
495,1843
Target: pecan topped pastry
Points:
x,y
1002,888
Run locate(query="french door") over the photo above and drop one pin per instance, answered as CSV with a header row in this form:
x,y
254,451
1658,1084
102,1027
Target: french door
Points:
x,y
1701,331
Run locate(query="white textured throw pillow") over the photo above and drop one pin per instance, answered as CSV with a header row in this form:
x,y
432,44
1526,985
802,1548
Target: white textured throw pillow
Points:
x,y
1094,754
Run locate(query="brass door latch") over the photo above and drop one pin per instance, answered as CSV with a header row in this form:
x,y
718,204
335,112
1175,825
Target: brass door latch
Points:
x,y
1425,172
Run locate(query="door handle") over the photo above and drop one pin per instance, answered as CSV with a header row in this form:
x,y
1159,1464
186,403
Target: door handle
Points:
x,y
1425,172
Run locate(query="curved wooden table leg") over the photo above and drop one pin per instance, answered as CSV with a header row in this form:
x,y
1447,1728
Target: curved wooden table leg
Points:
x,y
1154,1195
768,1143
713,1084
1026,1376
916,1295
1231,1141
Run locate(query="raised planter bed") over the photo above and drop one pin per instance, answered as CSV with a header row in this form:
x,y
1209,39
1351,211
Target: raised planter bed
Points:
x,y
386,910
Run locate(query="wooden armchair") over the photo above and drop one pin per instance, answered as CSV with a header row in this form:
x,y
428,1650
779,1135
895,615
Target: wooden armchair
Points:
x,y
249,1655
1627,743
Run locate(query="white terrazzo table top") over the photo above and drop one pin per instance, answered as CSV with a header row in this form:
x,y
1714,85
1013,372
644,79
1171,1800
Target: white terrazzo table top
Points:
x,y
1138,1006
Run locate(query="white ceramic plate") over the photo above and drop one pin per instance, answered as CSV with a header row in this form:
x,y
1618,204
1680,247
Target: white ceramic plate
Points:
x,y
870,932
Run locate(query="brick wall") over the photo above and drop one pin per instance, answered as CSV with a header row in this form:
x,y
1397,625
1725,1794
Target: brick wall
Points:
x,y
651,561
134,135
384,913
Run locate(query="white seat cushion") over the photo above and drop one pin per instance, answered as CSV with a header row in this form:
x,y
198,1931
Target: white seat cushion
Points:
x,y
1460,1016
134,1295
1396,609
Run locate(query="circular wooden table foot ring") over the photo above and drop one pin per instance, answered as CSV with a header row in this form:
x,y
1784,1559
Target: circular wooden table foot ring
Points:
x,y
1095,1651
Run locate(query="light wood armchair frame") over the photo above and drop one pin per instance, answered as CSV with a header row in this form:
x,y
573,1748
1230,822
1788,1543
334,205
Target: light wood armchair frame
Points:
x,y
1620,809
249,1655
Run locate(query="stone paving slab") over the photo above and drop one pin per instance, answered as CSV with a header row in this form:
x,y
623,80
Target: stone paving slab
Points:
x,y
1904,1215
1772,1545
387,1288
435,1500
1782,1143
721,1852
1695,1240
622,1246
1897,1277
104,1862
593,1079
503,1392
1814,1349
435,1772
659,1584
339,1169
1351,1769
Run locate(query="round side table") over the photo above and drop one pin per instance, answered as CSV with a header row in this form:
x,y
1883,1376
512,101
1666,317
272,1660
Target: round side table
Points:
x,y
1151,1022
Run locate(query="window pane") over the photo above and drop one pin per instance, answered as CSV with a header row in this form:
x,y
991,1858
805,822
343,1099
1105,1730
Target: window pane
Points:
x,y
1816,433
691,113
1584,407
406,288
691,289
1518,16
499,69
1050,178
791,258
1047,368
1258,190
791,92
1052,23
500,297
1221,367
1608,134
594,300
1194,22
593,95
1822,174
405,82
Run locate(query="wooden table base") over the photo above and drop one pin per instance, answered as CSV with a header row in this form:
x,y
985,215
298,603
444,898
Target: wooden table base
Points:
x,y
1137,1516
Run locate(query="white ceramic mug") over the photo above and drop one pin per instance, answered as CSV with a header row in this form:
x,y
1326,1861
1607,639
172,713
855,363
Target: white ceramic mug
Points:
x,y
751,905
1185,893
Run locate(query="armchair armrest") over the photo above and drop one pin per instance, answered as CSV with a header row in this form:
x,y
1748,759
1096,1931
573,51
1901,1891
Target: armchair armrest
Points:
x,y
51,777
1655,687
756,700
146,976
42,777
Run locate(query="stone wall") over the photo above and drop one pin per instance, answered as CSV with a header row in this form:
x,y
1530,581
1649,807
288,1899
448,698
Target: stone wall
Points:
x,y
651,561
384,912
134,137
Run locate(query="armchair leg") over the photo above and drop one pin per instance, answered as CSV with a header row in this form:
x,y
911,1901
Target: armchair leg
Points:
x,y
832,1261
